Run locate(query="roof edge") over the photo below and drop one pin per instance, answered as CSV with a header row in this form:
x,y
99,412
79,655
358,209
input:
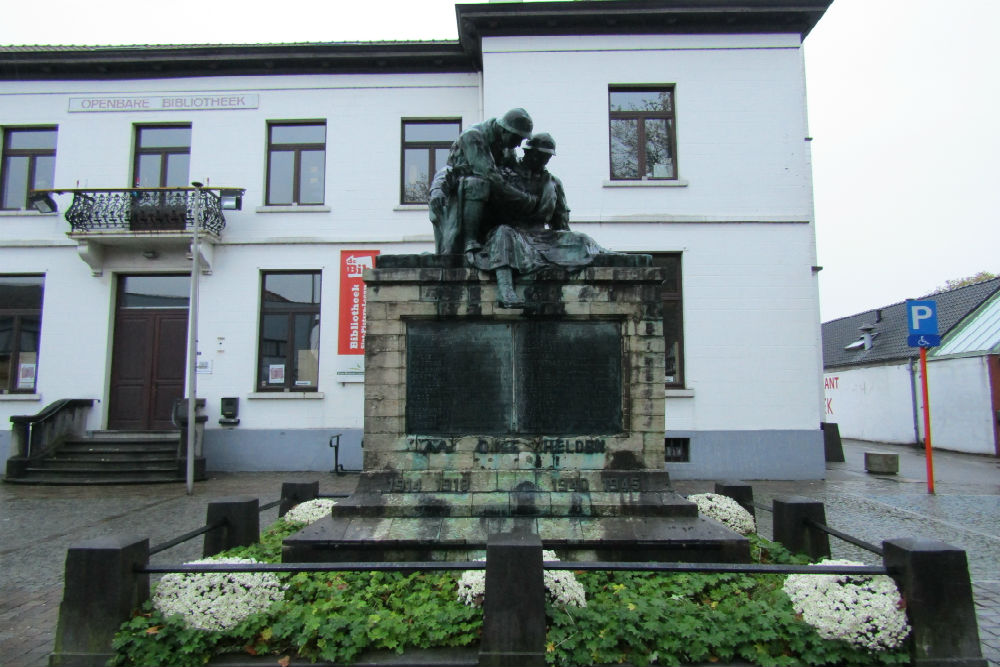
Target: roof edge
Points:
x,y
583,17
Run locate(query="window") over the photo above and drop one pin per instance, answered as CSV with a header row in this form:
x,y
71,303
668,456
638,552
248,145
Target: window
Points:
x,y
643,141
20,328
425,151
29,163
673,317
296,163
289,331
677,450
162,156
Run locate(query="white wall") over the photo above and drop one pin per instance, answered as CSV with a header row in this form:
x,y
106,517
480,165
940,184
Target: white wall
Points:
x,y
740,117
877,403
871,403
962,417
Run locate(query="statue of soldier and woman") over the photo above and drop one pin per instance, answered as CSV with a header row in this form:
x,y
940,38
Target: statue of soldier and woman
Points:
x,y
503,213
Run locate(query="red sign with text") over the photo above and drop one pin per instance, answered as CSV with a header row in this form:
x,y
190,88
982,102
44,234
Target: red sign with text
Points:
x,y
352,299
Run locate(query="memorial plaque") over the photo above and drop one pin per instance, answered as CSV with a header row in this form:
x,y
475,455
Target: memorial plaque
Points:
x,y
458,378
568,378
521,378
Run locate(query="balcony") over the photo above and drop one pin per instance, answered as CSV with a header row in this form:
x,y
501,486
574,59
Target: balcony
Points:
x,y
122,224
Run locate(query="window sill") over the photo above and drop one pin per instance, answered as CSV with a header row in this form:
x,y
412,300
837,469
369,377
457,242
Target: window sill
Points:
x,y
20,397
411,207
318,208
26,212
678,393
651,183
286,395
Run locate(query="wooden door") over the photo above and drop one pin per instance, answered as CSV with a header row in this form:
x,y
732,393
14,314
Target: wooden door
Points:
x,y
147,365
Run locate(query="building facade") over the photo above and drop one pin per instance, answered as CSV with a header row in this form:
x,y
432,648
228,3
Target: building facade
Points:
x,y
681,131
872,378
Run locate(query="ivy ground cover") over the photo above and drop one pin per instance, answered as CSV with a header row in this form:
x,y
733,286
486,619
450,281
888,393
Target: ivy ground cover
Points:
x,y
639,618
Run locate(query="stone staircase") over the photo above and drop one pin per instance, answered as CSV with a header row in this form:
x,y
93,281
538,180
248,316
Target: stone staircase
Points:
x,y
110,457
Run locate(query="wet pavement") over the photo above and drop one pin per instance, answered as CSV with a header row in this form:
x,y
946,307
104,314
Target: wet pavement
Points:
x,y
37,524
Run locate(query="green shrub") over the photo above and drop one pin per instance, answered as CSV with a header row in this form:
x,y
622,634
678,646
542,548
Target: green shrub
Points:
x,y
642,618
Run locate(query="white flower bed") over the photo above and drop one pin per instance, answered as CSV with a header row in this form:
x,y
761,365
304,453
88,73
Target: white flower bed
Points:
x,y
310,511
865,611
725,509
562,586
217,600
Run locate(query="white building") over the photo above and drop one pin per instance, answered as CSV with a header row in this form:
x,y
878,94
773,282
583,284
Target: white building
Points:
x,y
873,383
681,131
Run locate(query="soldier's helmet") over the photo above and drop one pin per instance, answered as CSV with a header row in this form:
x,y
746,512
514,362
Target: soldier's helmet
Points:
x,y
517,121
542,142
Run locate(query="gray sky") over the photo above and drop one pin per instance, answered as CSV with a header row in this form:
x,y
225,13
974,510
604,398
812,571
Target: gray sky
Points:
x,y
901,96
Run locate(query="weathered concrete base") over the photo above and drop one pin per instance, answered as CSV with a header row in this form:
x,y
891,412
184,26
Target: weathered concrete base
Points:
x,y
363,539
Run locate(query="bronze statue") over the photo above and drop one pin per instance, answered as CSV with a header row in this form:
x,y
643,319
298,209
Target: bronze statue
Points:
x,y
538,238
471,186
503,214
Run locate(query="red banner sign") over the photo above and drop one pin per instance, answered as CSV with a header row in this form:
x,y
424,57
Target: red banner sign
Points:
x,y
352,299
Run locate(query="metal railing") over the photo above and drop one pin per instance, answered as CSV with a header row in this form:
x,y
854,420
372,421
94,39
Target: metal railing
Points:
x,y
142,210
918,566
32,435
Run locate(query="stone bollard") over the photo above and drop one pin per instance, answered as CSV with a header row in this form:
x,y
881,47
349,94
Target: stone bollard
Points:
x,y
293,493
833,447
790,528
514,608
100,592
739,491
934,580
881,464
241,524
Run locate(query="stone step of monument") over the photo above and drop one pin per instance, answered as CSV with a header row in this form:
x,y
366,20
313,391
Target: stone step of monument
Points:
x,y
516,503
363,539
489,481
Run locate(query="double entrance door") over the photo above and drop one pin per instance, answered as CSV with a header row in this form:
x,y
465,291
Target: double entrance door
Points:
x,y
149,351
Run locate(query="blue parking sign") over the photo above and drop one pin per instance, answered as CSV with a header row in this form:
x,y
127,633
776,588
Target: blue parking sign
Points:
x,y
922,323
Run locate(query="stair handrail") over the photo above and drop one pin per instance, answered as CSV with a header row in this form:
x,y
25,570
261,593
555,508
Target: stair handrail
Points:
x,y
33,435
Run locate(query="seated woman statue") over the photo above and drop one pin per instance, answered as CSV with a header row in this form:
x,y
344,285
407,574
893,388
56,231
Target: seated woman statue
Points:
x,y
528,241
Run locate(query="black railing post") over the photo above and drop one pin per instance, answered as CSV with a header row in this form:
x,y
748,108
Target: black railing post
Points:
x,y
791,526
934,580
100,591
514,607
293,493
739,491
239,524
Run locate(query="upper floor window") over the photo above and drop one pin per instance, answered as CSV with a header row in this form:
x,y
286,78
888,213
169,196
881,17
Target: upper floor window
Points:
x,y
425,150
296,163
162,156
643,138
20,331
28,163
288,358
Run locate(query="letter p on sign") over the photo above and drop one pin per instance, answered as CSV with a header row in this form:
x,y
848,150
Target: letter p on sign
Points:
x,y
922,317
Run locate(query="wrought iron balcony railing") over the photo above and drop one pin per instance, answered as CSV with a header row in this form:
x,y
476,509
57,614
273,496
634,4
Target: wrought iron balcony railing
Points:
x,y
144,209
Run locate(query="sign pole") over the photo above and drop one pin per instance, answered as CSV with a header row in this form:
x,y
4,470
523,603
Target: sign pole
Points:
x,y
927,421
922,330
192,405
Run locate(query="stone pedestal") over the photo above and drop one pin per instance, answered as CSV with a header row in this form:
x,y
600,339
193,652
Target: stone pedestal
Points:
x,y
479,416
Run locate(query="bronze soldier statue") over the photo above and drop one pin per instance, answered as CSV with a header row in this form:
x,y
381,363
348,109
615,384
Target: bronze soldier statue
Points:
x,y
527,241
463,193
